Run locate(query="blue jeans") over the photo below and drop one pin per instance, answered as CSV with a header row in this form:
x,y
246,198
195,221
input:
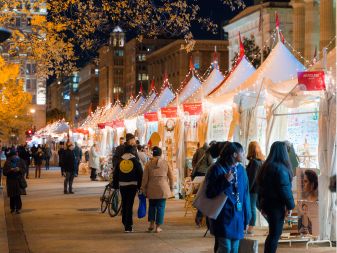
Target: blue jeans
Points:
x,y
157,210
224,245
253,199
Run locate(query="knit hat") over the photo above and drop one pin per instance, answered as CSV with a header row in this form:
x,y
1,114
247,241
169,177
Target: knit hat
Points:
x,y
156,151
129,137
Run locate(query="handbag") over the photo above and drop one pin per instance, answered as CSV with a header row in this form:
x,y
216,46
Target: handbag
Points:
x,y
22,182
142,206
210,207
249,246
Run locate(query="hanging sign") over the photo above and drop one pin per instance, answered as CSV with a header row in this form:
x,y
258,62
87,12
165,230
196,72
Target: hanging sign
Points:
x,y
118,123
193,108
169,112
151,116
311,80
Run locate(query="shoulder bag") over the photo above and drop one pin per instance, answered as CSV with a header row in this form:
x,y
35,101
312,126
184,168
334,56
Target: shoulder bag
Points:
x,y
249,246
210,207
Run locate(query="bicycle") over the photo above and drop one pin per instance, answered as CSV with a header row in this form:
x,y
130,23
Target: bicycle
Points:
x,y
111,200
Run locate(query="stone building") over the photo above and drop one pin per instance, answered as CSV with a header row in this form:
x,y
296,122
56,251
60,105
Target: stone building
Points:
x,y
305,24
136,64
111,68
173,60
259,20
33,83
88,90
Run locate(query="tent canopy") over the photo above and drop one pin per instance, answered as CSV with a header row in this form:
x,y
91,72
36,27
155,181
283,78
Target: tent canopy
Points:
x,y
165,97
239,74
214,79
191,87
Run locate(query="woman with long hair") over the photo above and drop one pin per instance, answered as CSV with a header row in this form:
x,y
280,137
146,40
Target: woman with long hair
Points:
x,y
255,158
275,198
310,185
228,176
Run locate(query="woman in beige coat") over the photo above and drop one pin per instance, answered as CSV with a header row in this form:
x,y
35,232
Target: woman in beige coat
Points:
x,y
157,186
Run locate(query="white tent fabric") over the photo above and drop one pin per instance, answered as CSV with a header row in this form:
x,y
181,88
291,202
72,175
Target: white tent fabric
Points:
x,y
214,79
147,103
165,97
139,103
112,113
241,72
289,92
327,164
56,128
192,86
330,62
127,108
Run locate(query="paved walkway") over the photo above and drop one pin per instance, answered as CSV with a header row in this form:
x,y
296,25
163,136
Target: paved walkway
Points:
x,y
52,222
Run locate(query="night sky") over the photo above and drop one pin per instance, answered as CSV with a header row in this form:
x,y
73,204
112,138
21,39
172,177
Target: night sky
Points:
x,y
214,9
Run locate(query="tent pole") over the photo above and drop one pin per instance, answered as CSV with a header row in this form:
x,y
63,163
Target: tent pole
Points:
x,y
281,102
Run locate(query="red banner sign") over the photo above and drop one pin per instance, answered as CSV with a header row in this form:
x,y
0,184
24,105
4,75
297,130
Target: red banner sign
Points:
x,y
193,108
169,112
312,80
113,124
151,116
118,123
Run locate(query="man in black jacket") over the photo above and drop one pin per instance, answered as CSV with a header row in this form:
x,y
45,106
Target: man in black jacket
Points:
x,y
131,141
128,178
69,168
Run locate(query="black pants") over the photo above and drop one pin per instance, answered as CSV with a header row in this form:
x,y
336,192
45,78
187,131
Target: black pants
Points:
x,y
15,203
68,181
275,218
93,174
27,168
47,163
128,198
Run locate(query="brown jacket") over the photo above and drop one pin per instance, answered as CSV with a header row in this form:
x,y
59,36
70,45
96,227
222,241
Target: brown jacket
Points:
x,y
157,179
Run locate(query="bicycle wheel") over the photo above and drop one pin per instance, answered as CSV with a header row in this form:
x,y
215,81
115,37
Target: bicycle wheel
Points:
x,y
115,203
105,198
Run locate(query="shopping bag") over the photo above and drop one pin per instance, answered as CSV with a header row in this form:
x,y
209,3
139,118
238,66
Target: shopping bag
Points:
x,y
142,206
249,246
209,207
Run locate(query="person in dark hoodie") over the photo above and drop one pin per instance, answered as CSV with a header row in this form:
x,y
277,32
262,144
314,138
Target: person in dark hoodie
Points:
x,y
130,140
14,169
69,168
127,177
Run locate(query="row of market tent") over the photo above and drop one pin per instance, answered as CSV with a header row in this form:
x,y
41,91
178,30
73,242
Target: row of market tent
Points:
x,y
247,104
264,104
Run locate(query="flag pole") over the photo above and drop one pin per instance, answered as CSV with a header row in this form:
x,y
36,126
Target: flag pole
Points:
x,y
261,25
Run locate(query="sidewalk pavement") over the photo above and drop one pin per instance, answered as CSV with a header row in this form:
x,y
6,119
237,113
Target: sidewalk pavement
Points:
x,y
53,222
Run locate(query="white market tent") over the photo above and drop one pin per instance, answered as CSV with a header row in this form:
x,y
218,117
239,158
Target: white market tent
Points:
x,y
238,75
112,113
147,103
138,104
56,128
129,105
188,90
165,97
214,79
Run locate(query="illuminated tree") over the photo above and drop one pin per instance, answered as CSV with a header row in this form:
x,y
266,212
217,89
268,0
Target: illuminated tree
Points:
x,y
14,101
51,39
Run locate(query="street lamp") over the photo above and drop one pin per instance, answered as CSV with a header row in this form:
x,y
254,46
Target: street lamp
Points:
x,y
4,34
32,111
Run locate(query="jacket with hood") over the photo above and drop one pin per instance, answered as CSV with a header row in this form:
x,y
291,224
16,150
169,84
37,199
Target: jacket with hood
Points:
x,y
128,172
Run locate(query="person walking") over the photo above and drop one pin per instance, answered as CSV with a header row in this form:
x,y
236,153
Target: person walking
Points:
x,y
38,158
143,158
157,186
127,177
14,169
275,198
69,168
255,158
228,176
130,140
47,155
93,162
78,157
200,163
